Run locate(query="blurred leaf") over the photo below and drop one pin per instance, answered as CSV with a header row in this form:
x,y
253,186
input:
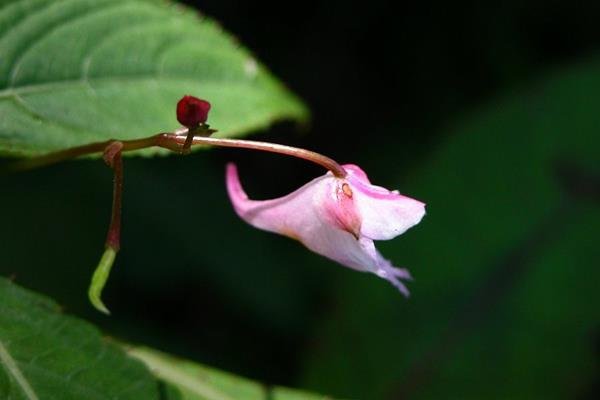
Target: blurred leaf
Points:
x,y
79,71
505,299
47,355
196,382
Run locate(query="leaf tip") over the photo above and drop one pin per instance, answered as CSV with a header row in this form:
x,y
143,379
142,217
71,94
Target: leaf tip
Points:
x,y
98,304
99,279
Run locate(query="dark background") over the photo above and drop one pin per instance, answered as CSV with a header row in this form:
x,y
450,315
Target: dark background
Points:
x,y
490,113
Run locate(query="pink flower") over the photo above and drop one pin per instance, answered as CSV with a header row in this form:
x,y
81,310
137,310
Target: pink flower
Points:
x,y
336,217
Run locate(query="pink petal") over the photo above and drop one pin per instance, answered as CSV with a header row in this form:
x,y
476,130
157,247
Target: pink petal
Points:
x,y
385,214
323,216
293,215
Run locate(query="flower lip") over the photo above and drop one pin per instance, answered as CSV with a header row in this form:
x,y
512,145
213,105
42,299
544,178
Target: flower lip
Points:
x,y
385,214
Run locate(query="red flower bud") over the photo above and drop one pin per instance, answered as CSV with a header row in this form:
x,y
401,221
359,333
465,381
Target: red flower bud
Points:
x,y
192,111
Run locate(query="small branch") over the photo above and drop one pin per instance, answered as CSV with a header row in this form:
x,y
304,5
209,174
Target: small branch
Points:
x,y
308,155
176,142
186,148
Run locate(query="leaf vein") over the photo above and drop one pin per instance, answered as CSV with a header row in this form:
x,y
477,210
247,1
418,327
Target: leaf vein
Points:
x,y
22,104
88,58
13,369
25,17
60,24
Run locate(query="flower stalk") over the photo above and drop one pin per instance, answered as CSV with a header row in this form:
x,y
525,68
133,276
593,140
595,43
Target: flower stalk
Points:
x,y
175,142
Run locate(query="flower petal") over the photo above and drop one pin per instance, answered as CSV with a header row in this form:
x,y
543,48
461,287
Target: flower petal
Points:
x,y
360,255
385,214
293,215
323,216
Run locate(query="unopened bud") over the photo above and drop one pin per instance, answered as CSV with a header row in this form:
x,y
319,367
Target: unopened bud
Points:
x,y
192,111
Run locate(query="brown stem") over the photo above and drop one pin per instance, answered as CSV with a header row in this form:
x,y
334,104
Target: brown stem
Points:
x,y
176,142
308,155
160,140
186,148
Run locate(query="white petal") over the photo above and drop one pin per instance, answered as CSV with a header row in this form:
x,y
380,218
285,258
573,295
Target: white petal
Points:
x,y
385,214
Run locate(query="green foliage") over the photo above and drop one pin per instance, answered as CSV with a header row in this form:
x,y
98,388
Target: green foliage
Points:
x,y
79,71
505,295
47,355
197,382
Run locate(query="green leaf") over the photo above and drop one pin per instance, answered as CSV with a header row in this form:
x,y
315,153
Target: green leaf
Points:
x,y
46,355
505,298
79,71
197,382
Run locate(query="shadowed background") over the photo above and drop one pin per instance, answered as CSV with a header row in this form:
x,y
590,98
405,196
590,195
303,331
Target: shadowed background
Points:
x,y
488,113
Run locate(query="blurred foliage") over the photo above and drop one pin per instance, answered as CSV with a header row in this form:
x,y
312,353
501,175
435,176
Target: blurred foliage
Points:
x,y
47,355
196,382
506,261
487,112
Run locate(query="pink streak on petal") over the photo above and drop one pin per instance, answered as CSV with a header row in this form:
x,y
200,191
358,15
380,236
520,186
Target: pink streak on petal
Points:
x,y
341,207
